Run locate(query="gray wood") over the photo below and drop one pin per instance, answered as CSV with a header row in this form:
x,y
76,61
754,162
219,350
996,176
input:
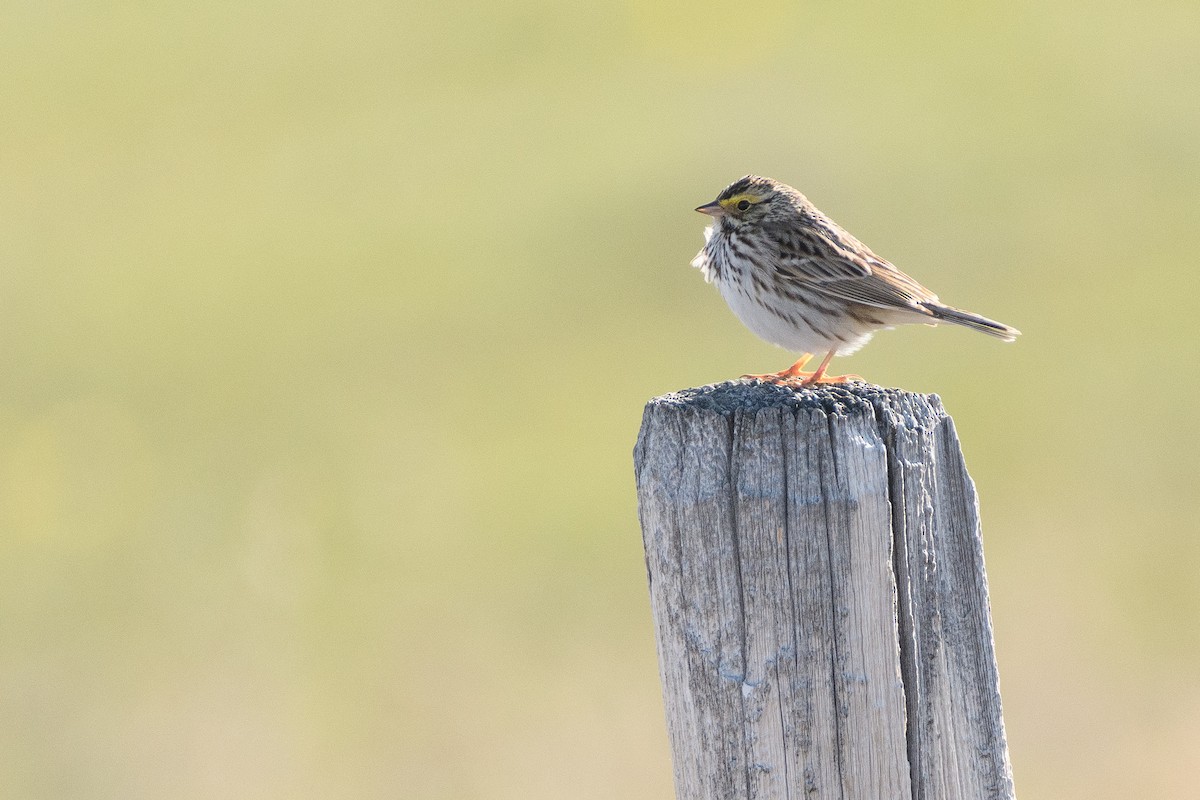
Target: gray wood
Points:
x,y
820,603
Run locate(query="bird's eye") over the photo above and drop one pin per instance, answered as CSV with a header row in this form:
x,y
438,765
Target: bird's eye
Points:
x,y
743,205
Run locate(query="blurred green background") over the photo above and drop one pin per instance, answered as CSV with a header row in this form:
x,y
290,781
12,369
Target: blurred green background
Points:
x,y
325,330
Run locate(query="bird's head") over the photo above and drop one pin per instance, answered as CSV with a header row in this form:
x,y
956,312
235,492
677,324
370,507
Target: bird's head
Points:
x,y
754,200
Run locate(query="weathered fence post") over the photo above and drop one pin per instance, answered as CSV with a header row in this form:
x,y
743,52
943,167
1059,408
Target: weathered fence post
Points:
x,y
816,575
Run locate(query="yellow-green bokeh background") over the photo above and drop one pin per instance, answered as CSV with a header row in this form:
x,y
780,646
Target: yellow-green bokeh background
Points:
x,y
325,330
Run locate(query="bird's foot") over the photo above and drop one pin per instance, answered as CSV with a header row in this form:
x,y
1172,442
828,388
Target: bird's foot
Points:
x,y
793,376
787,376
777,377
813,379
802,378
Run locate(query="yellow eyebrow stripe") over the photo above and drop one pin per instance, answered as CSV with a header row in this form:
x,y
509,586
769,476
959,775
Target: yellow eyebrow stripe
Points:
x,y
737,198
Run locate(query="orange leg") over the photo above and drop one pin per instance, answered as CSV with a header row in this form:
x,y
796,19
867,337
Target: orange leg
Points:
x,y
820,377
796,376
787,375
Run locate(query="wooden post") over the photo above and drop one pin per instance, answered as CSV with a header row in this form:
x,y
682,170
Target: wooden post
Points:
x,y
821,608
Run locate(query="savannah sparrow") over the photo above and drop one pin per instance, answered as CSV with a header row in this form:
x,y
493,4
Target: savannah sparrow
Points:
x,y
796,279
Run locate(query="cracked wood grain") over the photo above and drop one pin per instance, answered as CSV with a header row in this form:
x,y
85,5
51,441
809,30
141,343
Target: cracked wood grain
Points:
x,y
820,604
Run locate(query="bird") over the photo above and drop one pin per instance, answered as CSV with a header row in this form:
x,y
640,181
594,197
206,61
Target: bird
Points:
x,y
798,280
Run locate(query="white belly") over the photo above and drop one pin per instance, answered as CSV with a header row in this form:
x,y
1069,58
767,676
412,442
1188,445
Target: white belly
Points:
x,y
788,325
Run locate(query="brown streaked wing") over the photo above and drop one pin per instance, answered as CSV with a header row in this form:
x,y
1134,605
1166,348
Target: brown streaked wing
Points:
x,y
811,257
884,289
849,272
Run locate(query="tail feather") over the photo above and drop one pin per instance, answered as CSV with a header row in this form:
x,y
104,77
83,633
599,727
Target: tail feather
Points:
x,y
973,321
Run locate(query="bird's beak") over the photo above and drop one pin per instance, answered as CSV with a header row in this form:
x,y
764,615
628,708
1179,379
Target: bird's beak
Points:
x,y
713,209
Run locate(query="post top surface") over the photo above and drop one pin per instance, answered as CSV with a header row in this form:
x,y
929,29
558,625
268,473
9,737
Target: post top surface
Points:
x,y
747,395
